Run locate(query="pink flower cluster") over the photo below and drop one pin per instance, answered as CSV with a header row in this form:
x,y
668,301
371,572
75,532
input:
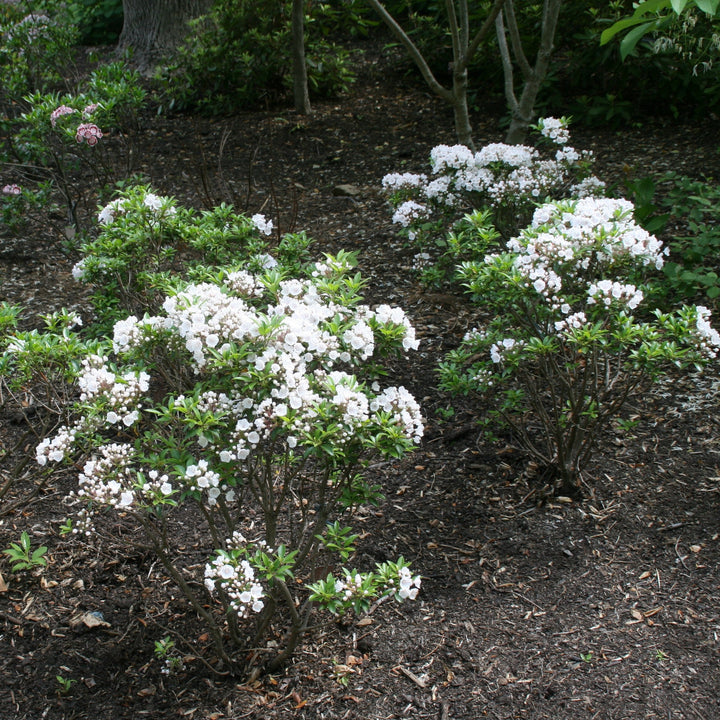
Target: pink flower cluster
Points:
x,y
88,110
89,132
11,190
62,110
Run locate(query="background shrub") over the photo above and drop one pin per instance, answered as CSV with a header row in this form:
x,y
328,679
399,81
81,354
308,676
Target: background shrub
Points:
x,y
239,55
99,22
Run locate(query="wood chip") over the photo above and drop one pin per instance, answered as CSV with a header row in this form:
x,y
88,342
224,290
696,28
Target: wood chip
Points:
x,y
411,676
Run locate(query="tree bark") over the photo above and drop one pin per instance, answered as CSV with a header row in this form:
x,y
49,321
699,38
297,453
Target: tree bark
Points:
x,y
463,50
154,28
523,110
300,80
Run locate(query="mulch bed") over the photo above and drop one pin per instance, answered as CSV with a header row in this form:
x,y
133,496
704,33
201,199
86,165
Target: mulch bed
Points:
x,y
605,607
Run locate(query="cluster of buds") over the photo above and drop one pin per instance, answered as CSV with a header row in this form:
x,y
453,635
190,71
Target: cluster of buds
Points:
x,y
59,112
89,132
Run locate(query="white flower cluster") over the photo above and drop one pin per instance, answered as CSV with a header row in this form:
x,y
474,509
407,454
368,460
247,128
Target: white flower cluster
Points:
x,y
555,129
590,186
447,157
157,485
400,403
605,225
409,586
409,212
244,284
31,24
199,475
351,400
161,207
503,175
610,291
708,337
120,392
587,235
286,364
206,318
55,448
441,190
388,315
237,580
209,318
108,479
351,587
393,182
264,226
78,270
361,338
499,350
476,334
264,261
575,321
131,332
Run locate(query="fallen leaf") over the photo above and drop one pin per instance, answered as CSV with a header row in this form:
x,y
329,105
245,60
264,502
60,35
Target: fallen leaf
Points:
x,y
90,620
696,548
3,585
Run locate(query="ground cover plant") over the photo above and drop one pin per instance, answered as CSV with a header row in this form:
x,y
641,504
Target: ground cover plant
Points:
x,y
604,606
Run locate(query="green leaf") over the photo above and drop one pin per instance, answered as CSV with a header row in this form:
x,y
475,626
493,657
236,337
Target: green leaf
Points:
x,y
639,16
679,5
630,41
709,7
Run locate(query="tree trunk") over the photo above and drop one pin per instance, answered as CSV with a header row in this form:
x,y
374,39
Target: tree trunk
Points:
x,y
463,129
153,28
463,51
300,81
523,110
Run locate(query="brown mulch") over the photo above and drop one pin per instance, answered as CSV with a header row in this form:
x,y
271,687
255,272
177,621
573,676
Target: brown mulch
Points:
x,y
607,607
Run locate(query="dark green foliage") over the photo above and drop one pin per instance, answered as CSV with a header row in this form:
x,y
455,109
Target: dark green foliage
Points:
x,y
337,19
694,266
690,225
588,81
99,22
239,56
35,55
674,77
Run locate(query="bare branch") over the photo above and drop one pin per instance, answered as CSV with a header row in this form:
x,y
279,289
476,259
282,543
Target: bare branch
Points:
x,y
412,49
481,33
515,40
507,63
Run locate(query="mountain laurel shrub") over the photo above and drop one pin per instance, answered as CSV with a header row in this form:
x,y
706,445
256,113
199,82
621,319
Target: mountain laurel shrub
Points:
x,y
568,337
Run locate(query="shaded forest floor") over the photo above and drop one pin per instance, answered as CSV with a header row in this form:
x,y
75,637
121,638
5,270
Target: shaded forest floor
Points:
x,y
607,607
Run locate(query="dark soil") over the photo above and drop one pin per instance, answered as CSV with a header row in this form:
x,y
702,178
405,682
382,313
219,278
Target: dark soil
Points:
x,y
606,607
